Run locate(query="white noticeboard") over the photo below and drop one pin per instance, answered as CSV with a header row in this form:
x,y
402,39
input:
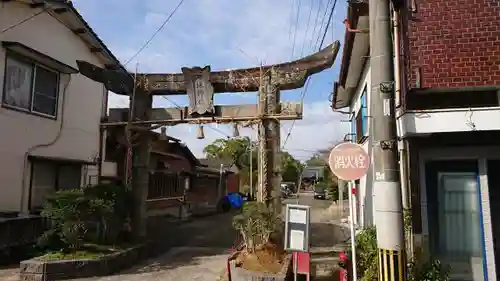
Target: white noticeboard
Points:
x,y
298,216
297,228
297,239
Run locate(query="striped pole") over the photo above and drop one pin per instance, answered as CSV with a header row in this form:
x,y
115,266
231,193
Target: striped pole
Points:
x,y
392,265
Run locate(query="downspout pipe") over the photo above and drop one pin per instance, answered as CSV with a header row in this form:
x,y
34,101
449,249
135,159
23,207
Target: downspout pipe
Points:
x,y
102,135
397,94
43,145
403,145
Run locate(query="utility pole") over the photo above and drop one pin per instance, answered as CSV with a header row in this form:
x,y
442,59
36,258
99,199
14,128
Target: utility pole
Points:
x,y
387,190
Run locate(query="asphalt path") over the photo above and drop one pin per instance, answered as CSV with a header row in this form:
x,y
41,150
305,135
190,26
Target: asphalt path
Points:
x,y
200,248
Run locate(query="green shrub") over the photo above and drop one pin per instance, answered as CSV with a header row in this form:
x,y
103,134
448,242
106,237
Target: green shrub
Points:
x,y
78,216
422,268
425,268
366,254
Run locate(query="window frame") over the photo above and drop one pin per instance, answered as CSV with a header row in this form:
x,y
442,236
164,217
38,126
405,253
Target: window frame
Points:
x,y
364,111
55,167
359,119
34,65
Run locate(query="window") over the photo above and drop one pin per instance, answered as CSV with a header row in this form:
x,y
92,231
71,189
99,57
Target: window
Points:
x,y
359,126
364,112
30,87
354,133
50,176
165,185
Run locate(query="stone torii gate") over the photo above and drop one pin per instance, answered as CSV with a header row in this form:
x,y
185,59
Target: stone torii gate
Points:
x,y
200,84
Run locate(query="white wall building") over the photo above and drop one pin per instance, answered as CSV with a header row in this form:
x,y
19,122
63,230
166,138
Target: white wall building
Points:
x,y
49,113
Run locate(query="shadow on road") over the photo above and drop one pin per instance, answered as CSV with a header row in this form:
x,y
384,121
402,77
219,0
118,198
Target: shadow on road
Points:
x,y
187,244
327,234
178,257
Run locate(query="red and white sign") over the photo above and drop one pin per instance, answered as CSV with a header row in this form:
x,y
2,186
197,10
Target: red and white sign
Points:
x,y
349,161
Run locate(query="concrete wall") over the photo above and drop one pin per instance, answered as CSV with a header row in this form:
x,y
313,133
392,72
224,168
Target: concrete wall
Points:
x,y
83,104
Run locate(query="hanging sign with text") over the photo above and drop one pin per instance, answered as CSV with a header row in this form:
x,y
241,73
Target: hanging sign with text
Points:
x,y
348,161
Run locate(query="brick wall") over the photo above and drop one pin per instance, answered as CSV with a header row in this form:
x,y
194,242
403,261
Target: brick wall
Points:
x,y
456,43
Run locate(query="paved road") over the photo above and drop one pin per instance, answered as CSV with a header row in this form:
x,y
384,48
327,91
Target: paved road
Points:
x,y
203,247
201,256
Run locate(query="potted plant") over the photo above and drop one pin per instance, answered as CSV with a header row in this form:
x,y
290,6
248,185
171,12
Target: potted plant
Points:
x,y
261,255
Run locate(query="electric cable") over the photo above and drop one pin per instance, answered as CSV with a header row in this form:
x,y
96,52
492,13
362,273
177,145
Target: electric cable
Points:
x,y
24,20
219,131
316,22
307,82
307,29
155,33
296,27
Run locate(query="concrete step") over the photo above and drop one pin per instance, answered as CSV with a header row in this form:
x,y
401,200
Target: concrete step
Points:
x,y
333,261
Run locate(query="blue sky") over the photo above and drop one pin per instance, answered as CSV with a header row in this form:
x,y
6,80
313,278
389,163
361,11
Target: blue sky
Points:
x,y
227,34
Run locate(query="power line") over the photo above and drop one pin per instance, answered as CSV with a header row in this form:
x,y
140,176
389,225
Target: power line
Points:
x,y
220,132
307,82
316,22
328,24
296,27
323,20
291,20
155,33
307,29
24,20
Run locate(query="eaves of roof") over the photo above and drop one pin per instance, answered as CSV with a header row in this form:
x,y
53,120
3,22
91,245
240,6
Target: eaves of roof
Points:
x,y
354,54
65,12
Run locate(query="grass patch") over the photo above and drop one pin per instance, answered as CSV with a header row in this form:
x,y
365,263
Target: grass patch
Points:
x,y
77,255
89,252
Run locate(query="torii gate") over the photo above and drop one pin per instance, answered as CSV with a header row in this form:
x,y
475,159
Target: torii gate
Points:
x,y
200,84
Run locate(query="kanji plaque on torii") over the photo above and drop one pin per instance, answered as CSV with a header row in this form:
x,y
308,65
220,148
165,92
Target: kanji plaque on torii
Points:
x,y
349,161
199,90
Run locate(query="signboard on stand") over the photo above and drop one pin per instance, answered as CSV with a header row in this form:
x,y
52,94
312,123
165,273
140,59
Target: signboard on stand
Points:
x,y
297,226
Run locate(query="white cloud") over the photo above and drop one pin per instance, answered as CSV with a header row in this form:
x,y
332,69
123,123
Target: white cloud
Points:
x,y
231,34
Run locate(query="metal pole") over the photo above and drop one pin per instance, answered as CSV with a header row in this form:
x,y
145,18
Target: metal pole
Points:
x,y
295,266
251,169
387,190
353,232
221,173
341,196
354,204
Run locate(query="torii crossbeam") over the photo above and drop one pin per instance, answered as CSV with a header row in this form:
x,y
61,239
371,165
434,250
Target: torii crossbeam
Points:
x,y
291,75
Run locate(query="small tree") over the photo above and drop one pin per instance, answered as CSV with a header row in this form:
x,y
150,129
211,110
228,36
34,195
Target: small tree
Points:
x,y
256,224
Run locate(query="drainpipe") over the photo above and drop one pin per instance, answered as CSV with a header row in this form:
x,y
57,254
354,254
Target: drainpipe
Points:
x,y
102,135
35,147
403,145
